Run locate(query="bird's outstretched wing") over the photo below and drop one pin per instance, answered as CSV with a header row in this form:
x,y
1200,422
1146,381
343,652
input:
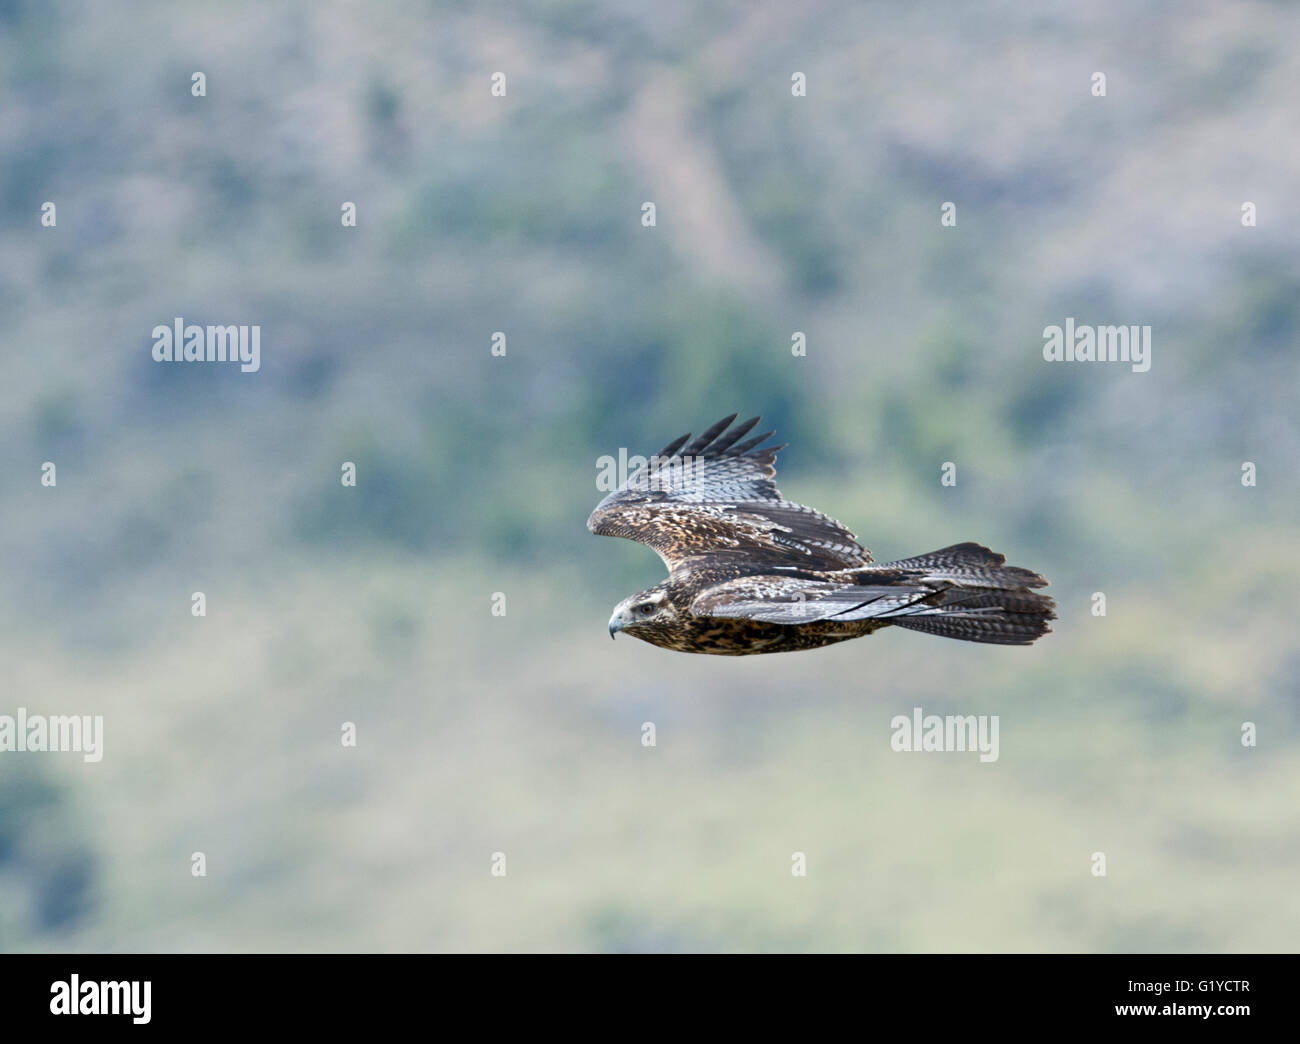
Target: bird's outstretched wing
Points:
x,y
715,496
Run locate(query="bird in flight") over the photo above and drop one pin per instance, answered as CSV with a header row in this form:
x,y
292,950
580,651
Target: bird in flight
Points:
x,y
751,572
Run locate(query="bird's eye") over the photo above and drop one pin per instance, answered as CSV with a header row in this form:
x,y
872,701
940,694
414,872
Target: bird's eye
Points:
x,y
646,608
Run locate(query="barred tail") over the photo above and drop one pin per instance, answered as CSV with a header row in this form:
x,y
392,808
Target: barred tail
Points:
x,y
978,597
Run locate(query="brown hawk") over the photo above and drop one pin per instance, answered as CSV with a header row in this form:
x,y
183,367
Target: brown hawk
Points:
x,y
752,572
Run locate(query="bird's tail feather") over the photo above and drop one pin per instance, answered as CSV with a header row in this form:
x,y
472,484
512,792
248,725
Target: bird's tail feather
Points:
x,y
993,628
980,598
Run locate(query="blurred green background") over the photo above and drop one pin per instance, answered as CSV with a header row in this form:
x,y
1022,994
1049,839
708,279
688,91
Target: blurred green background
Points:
x,y
521,214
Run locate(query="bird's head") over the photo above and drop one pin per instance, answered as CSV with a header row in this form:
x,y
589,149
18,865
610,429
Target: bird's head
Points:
x,y
644,614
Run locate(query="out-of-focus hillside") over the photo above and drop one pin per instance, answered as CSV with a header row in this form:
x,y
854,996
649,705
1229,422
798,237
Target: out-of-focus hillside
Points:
x,y
522,214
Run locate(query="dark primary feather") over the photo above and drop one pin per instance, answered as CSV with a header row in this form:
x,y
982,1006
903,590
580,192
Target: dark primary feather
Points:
x,y
715,496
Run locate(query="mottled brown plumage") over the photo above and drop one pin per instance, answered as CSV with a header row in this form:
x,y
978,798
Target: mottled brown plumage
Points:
x,y
750,572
